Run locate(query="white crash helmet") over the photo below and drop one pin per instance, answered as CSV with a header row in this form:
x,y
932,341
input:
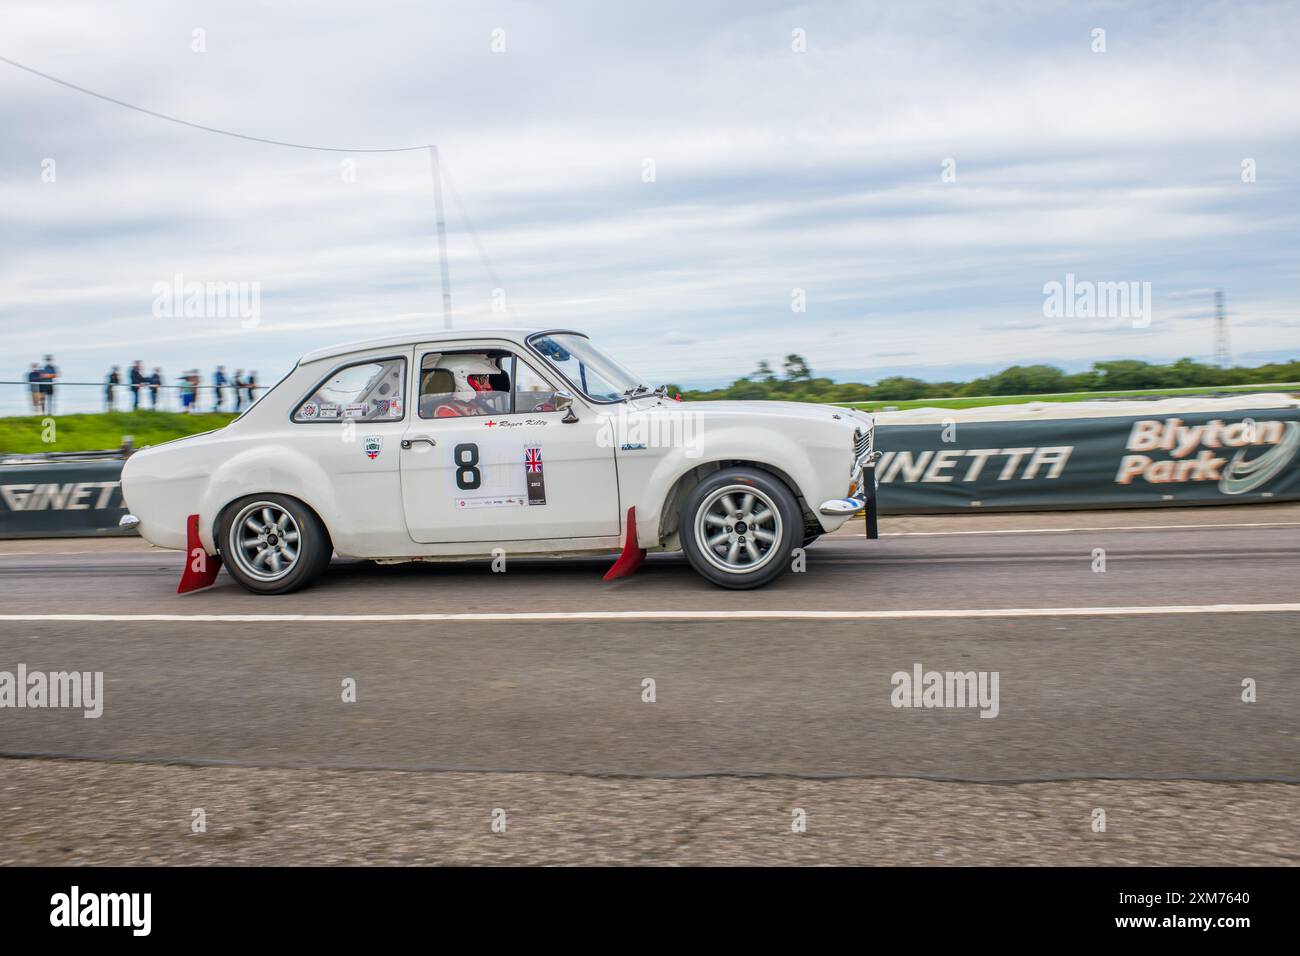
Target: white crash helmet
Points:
x,y
471,374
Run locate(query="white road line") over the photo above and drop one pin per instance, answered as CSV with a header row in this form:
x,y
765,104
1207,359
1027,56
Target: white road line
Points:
x,y
707,615
1130,527
65,554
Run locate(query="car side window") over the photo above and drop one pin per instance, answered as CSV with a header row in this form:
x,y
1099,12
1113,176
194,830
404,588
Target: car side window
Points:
x,y
532,392
465,384
369,391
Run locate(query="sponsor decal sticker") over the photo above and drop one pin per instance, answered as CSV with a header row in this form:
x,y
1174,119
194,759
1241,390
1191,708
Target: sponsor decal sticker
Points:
x,y
487,473
328,411
374,445
519,423
309,410
356,411
535,477
508,501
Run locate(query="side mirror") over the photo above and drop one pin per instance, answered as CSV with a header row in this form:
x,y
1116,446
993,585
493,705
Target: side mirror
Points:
x,y
564,403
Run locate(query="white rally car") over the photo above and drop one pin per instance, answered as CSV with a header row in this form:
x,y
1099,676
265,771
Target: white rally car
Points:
x,y
453,446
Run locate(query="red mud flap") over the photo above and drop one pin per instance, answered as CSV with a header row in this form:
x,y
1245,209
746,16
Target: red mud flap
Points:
x,y
200,567
632,555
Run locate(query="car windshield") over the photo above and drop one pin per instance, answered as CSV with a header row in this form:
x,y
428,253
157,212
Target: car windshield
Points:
x,y
586,368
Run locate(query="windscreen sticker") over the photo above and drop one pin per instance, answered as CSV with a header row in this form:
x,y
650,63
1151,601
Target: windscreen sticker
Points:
x,y
328,411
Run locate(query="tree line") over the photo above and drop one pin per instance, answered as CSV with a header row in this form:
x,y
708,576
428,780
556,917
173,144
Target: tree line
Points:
x,y
796,381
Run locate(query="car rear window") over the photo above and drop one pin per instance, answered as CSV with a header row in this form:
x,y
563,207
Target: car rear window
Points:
x,y
369,391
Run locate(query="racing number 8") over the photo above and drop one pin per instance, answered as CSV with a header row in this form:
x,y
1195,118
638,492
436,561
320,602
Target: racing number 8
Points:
x,y
468,476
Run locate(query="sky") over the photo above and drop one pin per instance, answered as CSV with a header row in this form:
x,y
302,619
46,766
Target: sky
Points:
x,y
670,177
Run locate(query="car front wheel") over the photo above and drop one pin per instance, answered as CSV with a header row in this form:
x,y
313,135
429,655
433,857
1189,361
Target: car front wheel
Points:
x,y
739,527
273,544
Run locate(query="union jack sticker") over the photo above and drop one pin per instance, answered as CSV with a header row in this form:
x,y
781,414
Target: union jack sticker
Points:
x,y
534,477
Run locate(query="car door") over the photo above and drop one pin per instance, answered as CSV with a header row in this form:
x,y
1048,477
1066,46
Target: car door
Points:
x,y
513,471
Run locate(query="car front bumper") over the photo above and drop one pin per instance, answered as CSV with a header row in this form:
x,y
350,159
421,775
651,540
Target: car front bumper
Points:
x,y
862,496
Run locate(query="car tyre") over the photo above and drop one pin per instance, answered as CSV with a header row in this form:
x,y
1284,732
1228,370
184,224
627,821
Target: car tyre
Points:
x,y
739,527
273,544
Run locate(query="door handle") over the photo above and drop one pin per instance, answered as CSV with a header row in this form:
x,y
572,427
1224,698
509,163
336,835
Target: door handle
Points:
x,y
408,442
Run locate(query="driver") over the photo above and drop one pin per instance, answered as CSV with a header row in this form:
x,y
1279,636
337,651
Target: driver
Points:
x,y
471,376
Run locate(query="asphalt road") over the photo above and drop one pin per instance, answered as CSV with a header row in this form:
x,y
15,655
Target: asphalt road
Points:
x,y
1082,693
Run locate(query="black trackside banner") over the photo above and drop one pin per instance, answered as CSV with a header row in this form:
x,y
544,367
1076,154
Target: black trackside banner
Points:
x,y
63,499
1129,462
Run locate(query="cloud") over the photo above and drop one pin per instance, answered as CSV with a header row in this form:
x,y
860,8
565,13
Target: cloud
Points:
x,y
773,171
1024,326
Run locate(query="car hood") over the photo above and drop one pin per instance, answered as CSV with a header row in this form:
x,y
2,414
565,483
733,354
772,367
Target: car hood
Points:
x,y
798,411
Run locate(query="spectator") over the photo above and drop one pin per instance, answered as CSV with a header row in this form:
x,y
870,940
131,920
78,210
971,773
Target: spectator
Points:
x,y
34,382
239,389
137,384
110,388
219,382
187,391
155,383
251,383
49,374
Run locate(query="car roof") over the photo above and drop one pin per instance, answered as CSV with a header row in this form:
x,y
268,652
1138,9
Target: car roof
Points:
x,y
426,336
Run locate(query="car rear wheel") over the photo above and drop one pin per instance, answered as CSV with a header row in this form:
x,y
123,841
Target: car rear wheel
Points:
x,y
739,527
273,544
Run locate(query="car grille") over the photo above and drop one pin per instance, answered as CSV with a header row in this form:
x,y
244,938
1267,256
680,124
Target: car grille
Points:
x,y
861,444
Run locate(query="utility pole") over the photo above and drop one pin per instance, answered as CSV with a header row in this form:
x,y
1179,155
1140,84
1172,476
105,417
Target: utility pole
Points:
x,y
436,166
1222,357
